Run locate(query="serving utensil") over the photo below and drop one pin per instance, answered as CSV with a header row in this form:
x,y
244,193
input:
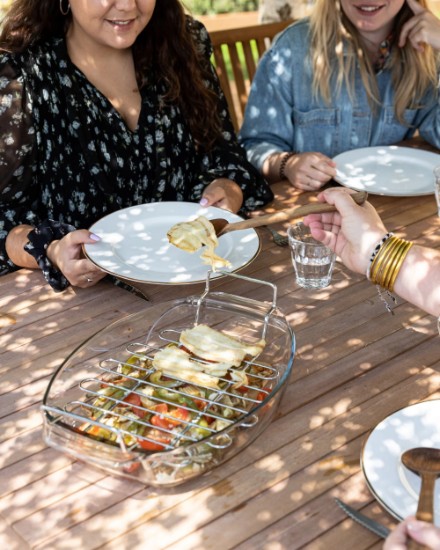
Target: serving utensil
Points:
x,y
369,523
222,226
425,462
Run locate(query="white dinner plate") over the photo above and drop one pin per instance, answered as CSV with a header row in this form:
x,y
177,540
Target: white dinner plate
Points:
x,y
134,244
391,170
392,484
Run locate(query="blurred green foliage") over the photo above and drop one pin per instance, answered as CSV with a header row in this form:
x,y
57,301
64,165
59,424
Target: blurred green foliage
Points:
x,y
205,7
199,7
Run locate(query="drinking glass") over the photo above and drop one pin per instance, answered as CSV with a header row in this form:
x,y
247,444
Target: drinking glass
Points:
x,y
313,262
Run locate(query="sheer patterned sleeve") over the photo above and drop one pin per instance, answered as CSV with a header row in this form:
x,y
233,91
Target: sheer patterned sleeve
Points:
x,y
16,154
228,159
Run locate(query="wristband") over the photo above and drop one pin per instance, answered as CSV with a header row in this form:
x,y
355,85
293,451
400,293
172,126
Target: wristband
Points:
x,y
283,163
39,239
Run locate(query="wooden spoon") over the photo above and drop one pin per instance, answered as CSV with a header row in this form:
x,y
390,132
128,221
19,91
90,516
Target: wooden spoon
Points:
x,y
425,462
222,226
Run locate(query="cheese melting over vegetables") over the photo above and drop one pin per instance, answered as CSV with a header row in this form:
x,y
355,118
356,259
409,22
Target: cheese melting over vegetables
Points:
x,y
191,236
210,355
212,345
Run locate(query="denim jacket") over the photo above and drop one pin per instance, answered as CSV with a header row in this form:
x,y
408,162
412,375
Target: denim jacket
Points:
x,y
283,115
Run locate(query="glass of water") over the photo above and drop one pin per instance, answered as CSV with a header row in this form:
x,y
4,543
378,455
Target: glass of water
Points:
x,y
313,262
437,187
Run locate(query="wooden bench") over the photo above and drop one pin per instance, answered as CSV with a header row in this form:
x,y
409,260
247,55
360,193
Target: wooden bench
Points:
x,y
241,49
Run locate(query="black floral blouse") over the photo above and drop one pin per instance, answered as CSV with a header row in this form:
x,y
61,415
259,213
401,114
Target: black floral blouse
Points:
x,y
67,155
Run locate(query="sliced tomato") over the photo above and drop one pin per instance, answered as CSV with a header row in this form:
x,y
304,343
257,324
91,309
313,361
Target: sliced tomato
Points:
x,y
263,393
135,400
175,417
160,408
179,415
160,440
158,419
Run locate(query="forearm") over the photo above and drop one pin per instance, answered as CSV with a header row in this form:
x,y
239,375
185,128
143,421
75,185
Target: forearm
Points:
x,y
15,242
272,166
418,280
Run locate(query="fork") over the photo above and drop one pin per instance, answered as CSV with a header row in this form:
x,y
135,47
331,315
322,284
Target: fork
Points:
x,y
278,239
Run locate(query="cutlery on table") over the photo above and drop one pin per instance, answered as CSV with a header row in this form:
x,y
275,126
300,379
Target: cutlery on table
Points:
x,y
424,461
222,226
369,523
278,239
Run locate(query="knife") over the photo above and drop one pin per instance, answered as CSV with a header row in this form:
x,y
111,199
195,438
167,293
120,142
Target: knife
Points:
x,y
365,521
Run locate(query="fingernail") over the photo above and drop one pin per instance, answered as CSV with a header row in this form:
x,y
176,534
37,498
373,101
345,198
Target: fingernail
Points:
x,y
94,237
203,202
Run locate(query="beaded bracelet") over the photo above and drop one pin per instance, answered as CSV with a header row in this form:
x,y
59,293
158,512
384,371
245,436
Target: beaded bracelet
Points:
x,y
376,250
39,239
283,163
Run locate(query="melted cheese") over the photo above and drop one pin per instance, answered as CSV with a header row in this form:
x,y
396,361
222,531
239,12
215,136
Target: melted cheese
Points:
x,y
191,236
213,345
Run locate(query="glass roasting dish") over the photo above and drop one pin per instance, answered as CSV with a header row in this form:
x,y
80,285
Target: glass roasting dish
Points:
x,y
76,416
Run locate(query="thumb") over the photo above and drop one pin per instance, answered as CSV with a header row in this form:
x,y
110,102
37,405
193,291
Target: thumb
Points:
x,y
89,236
211,196
83,236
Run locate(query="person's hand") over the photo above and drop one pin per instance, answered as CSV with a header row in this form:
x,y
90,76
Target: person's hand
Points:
x,y
67,255
412,529
351,232
309,171
423,28
223,193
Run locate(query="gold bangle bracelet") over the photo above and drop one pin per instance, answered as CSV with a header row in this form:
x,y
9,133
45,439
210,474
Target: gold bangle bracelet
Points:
x,y
391,268
378,260
382,259
399,265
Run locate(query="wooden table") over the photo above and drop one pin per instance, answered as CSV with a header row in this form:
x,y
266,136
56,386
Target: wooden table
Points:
x,y
355,364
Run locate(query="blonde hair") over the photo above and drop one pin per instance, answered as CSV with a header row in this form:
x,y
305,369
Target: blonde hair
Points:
x,y
334,38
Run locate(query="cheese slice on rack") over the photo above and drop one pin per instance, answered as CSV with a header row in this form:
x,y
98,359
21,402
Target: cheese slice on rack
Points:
x,y
213,345
191,236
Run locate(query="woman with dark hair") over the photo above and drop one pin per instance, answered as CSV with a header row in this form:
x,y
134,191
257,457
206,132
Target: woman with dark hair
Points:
x,y
106,104
356,73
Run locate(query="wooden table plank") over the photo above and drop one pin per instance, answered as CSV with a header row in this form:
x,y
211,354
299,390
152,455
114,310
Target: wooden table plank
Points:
x,y
354,365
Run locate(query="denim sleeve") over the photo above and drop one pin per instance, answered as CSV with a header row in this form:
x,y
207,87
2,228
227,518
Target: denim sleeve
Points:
x,y
429,120
268,123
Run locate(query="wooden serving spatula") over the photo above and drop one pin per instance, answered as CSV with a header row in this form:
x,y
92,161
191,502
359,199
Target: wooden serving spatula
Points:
x,y
222,226
425,462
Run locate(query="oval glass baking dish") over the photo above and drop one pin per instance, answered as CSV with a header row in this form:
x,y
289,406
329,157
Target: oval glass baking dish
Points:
x,y
109,406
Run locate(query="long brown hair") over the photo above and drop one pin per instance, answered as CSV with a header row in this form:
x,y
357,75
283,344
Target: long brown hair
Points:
x,y
334,38
166,43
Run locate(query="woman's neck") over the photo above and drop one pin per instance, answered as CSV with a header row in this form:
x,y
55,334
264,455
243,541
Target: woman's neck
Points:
x,y
372,46
94,57
112,72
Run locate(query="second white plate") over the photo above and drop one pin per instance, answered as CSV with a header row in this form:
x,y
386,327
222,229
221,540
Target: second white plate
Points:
x,y
388,170
134,244
393,485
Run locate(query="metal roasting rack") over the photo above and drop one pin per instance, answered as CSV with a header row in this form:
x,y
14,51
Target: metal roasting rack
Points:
x,y
91,414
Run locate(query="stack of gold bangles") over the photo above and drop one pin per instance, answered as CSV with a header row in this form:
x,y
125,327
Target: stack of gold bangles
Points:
x,y
386,263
